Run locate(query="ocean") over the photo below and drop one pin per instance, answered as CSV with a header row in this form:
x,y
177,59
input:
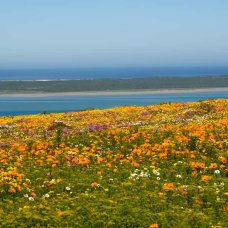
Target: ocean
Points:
x,y
109,72
22,105
25,105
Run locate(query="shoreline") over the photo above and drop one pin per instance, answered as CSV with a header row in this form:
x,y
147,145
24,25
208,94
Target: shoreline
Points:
x,y
116,92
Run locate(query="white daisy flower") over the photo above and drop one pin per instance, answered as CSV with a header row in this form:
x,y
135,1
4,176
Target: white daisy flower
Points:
x,y
46,196
31,198
217,171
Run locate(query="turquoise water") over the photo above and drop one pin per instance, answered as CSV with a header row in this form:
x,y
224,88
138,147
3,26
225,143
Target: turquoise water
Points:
x,y
22,105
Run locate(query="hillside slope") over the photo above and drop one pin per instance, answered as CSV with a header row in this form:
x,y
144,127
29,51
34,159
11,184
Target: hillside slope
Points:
x,y
154,166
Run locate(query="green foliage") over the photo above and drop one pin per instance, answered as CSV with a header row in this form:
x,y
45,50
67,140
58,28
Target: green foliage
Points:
x,y
113,84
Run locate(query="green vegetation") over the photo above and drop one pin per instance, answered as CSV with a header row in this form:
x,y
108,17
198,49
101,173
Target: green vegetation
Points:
x,y
113,84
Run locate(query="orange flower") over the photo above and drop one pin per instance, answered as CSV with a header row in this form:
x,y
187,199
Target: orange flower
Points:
x,y
213,166
115,170
192,156
68,164
33,194
86,162
137,151
61,145
120,155
108,165
223,160
59,180
75,160
94,184
194,174
153,226
135,164
60,213
21,148
193,164
168,186
12,190
162,155
99,173
19,188
99,160
130,158
204,157
182,190
201,165
205,178
198,201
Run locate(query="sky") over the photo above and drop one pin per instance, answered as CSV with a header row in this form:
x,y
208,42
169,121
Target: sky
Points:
x,y
113,33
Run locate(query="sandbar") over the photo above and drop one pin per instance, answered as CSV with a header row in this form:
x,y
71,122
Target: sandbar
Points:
x,y
115,92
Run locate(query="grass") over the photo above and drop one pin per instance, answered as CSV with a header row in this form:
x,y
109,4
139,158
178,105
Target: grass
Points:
x,y
154,166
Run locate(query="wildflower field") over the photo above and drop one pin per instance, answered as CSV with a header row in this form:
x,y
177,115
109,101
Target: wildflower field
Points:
x,y
155,166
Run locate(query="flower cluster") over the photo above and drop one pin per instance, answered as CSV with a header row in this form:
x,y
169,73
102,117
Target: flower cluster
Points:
x,y
162,160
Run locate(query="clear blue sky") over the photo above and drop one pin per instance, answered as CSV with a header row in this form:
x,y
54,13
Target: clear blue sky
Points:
x,y
101,33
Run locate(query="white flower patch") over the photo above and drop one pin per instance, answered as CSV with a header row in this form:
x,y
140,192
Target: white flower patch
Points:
x,y
46,196
144,174
139,174
217,171
31,198
156,173
186,186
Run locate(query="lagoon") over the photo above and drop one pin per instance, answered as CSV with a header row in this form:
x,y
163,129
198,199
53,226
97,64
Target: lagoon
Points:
x,y
22,105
